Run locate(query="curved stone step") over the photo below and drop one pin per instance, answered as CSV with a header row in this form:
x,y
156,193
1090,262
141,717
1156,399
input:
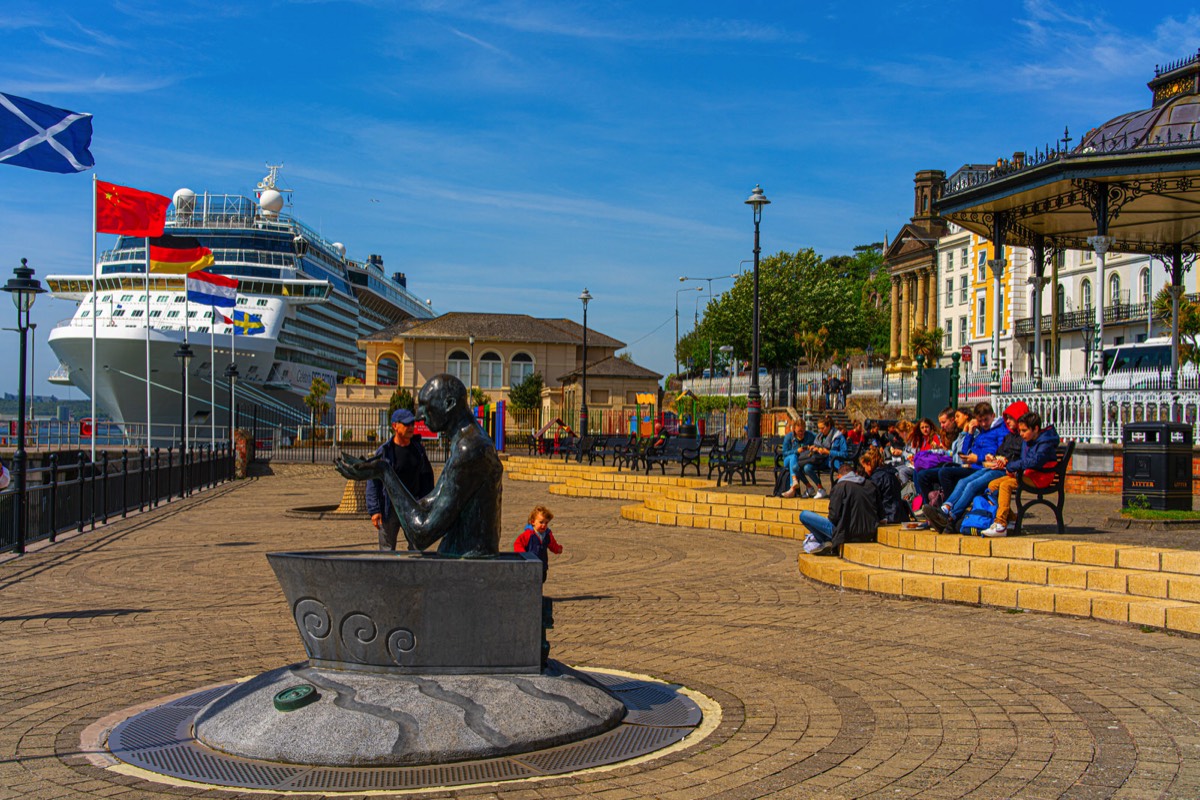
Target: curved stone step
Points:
x,y
1169,614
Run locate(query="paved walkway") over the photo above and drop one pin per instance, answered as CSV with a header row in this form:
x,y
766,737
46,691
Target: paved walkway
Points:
x,y
824,693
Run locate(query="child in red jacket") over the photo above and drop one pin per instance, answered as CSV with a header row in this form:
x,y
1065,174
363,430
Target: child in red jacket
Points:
x,y
538,539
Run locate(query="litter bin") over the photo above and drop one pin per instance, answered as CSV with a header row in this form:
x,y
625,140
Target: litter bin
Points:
x,y
1158,464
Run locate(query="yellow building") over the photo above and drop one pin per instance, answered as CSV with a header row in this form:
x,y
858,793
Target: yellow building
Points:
x,y
494,352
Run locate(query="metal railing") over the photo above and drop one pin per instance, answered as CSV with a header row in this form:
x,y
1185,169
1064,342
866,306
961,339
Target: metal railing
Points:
x,y
71,493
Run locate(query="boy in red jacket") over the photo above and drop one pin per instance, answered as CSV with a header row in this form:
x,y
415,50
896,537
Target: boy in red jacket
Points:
x,y
538,539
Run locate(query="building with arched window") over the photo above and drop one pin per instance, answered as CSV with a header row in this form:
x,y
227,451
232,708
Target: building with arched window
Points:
x,y
494,352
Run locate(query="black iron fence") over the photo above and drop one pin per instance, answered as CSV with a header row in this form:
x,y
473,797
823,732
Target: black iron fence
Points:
x,y
66,491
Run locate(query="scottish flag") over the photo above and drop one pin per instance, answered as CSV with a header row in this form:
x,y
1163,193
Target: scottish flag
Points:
x,y
37,136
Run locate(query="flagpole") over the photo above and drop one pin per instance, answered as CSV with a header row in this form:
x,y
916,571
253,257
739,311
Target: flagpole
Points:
x,y
95,291
232,382
212,375
187,323
147,283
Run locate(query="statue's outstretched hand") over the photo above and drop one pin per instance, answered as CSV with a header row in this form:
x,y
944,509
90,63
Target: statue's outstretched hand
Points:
x,y
359,469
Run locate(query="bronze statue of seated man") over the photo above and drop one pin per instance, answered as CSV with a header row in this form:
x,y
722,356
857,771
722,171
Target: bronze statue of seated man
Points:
x,y
463,510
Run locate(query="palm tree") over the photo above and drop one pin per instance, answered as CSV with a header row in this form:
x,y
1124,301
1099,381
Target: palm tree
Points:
x,y
927,343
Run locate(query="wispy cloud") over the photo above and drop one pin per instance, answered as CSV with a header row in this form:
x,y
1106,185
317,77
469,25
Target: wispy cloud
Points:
x,y
485,45
565,20
106,84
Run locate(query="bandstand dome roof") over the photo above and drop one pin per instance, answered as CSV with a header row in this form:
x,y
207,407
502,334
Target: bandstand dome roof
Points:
x,y
1135,178
1173,119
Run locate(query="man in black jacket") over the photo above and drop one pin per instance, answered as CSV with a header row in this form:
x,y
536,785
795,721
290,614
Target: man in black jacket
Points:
x,y
405,454
853,514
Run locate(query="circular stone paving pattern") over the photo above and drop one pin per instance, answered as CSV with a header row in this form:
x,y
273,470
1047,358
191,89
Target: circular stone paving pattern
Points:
x,y
161,740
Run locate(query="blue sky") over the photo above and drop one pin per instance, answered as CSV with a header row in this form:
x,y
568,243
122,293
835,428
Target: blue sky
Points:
x,y
505,155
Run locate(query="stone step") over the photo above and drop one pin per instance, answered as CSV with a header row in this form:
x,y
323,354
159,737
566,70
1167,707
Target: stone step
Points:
x,y
1177,615
1047,549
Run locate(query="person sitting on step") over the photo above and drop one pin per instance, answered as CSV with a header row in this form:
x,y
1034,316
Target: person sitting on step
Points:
x,y
1038,446
853,514
944,519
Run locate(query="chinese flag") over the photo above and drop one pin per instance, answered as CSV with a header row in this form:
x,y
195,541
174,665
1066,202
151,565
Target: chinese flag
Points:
x,y
131,212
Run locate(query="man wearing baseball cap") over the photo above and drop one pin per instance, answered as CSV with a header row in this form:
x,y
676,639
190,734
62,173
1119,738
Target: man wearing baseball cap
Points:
x,y
405,454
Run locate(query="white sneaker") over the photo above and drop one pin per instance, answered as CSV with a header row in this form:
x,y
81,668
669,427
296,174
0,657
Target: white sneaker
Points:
x,y
816,546
996,529
820,495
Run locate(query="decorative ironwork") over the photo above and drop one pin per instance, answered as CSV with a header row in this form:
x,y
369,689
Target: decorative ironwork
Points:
x,y
1178,64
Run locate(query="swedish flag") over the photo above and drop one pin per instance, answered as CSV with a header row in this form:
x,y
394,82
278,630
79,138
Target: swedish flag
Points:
x,y
245,324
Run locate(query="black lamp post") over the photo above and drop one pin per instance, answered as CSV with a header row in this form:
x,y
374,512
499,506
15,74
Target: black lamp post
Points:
x,y
231,375
24,289
184,354
753,399
583,409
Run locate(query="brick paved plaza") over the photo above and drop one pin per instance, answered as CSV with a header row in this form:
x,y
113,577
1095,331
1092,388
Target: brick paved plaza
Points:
x,y
824,693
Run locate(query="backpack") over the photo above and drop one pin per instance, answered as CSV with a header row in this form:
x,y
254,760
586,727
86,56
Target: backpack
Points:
x,y
980,516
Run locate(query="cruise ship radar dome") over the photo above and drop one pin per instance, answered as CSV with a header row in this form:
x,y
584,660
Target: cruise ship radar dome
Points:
x,y
271,202
341,248
184,199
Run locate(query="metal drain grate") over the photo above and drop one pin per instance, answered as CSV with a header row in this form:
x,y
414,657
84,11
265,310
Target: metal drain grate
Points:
x,y
160,740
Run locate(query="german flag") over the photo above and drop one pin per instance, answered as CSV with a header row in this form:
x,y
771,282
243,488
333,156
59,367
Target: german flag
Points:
x,y
178,255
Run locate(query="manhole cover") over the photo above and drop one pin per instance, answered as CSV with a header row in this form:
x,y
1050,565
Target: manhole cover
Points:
x,y
160,740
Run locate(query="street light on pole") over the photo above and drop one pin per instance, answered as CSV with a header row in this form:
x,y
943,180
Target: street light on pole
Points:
x,y
184,354
683,278
727,349
677,293
584,298
24,289
753,399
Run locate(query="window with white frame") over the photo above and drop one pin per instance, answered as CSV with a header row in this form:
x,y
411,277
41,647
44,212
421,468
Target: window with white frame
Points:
x,y
1060,298
962,331
962,288
948,334
1114,289
1085,294
949,291
981,263
980,315
491,371
458,364
962,258
520,368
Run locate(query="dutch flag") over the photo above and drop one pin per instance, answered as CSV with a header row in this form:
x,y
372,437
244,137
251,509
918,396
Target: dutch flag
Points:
x,y
212,290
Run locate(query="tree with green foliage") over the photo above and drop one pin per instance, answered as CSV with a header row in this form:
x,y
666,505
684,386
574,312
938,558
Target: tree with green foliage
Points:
x,y
927,343
1189,324
799,294
527,394
317,401
478,397
401,398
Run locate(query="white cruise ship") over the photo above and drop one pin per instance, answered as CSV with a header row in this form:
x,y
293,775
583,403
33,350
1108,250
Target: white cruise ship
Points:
x,y
312,301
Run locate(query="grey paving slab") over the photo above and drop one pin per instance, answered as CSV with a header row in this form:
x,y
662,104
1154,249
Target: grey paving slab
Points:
x,y
824,693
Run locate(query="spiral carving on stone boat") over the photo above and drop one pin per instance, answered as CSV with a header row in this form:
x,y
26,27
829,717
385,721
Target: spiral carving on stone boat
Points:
x,y
358,631
312,618
400,642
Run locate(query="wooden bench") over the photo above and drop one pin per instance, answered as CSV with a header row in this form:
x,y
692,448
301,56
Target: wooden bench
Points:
x,y
1040,495
685,452
741,461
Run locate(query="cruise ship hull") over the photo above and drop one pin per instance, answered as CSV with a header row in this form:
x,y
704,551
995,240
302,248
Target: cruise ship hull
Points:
x,y
120,380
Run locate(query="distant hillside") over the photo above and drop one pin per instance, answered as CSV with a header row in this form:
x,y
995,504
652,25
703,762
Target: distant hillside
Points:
x,y
47,408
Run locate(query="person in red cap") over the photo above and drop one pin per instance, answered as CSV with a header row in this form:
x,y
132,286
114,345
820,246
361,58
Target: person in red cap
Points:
x,y
999,439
